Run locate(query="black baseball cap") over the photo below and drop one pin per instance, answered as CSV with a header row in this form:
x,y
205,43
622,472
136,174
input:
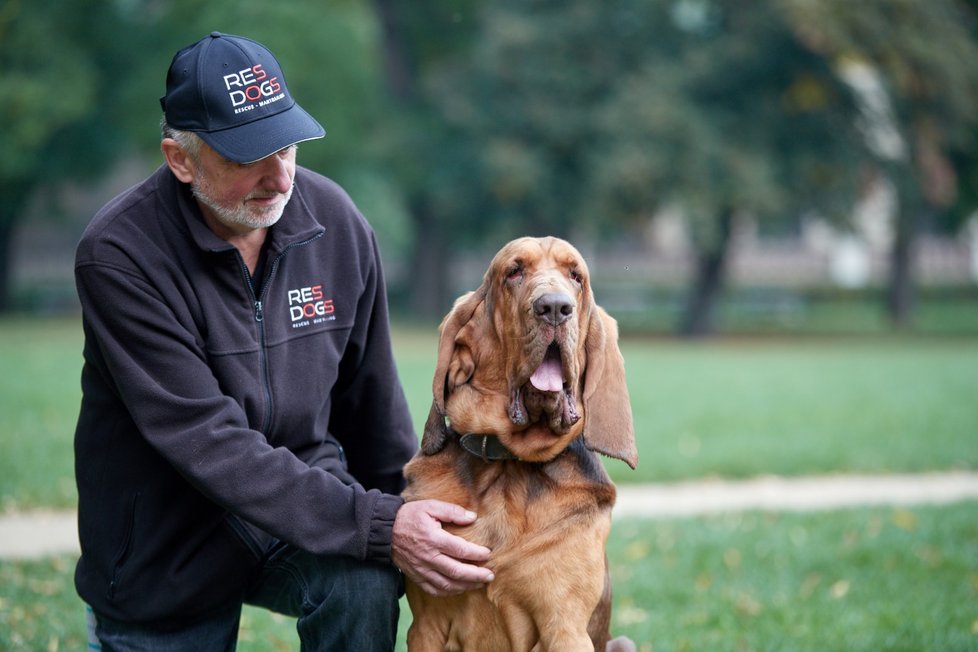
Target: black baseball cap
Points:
x,y
231,92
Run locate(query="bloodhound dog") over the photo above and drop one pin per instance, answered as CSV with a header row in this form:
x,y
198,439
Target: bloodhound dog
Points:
x,y
529,386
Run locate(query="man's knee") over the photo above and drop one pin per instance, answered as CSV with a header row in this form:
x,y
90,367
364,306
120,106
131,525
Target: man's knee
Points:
x,y
365,584
356,610
299,582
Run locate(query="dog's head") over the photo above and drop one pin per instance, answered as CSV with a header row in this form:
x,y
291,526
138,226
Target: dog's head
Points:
x,y
531,358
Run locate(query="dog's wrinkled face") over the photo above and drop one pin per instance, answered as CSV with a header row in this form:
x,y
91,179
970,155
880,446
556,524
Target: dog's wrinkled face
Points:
x,y
530,358
538,300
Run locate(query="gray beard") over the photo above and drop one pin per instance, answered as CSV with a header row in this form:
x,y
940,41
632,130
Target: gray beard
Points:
x,y
240,216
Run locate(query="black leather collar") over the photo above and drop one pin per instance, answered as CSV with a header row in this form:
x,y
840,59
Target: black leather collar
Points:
x,y
485,447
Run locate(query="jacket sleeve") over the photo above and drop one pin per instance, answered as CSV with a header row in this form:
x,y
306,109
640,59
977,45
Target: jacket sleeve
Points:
x,y
378,436
151,360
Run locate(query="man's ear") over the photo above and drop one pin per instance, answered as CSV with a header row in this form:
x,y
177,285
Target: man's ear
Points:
x,y
179,162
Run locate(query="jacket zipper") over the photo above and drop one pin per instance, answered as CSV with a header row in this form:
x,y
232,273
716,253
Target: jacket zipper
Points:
x,y
260,320
259,304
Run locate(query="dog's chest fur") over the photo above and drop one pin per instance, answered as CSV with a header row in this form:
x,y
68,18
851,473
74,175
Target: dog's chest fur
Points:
x,y
546,524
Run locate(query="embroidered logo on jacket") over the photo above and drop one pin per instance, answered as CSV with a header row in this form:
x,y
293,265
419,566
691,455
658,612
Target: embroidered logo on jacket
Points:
x,y
309,305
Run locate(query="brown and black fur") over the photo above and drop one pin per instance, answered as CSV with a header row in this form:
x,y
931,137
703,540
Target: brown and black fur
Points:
x,y
546,512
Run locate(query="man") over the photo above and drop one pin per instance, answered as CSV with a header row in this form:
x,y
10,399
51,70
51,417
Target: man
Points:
x,y
242,429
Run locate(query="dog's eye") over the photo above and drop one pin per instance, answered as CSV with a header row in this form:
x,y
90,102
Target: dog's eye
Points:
x,y
515,273
577,277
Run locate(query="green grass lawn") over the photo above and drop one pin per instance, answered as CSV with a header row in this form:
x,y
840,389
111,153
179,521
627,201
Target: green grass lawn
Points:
x,y
731,408
849,580
39,394
865,580
744,407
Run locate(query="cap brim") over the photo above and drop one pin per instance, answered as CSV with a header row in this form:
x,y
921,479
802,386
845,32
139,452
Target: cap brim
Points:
x,y
256,140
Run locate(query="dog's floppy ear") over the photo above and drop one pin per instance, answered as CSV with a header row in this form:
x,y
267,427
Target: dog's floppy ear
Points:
x,y
453,367
608,427
435,431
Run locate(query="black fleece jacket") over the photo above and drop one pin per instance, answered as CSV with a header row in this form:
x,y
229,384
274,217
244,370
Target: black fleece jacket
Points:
x,y
220,414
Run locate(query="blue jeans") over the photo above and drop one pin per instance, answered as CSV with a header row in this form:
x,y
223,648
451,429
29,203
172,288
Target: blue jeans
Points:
x,y
340,603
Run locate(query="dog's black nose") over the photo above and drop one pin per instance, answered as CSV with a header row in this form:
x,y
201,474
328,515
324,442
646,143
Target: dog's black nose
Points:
x,y
554,308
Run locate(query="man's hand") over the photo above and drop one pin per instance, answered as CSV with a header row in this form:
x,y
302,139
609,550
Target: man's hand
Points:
x,y
432,558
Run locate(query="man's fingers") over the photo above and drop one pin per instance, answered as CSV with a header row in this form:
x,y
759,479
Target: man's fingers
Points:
x,y
459,548
458,571
438,561
451,589
449,512
447,569
424,523
460,578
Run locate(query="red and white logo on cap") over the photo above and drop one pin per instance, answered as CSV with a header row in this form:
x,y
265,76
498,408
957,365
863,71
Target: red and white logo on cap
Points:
x,y
252,87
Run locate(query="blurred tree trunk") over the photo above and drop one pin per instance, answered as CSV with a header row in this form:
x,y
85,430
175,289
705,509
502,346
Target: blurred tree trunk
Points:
x,y
397,69
928,187
11,208
917,104
429,259
900,294
429,284
699,318
6,254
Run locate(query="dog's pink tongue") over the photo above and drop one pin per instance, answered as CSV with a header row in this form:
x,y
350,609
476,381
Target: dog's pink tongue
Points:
x,y
548,377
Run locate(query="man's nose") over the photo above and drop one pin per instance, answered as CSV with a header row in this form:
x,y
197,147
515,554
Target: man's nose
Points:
x,y
277,173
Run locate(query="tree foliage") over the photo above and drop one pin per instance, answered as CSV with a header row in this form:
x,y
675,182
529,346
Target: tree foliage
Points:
x,y
584,116
455,122
82,82
61,95
925,55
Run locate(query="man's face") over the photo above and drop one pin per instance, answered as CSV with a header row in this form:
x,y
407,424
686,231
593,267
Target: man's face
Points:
x,y
243,197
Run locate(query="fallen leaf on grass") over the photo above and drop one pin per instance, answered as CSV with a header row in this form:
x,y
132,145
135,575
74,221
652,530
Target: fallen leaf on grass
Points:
x,y
748,605
637,550
46,588
904,519
809,585
930,555
839,590
732,559
874,527
630,615
703,582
